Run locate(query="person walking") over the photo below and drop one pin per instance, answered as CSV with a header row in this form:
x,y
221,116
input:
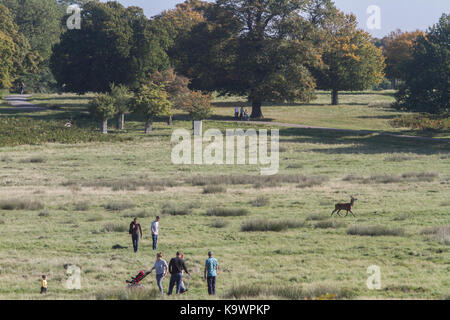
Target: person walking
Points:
x,y
44,284
176,267
135,231
236,112
241,115
211,268
155,232
161,269
22,87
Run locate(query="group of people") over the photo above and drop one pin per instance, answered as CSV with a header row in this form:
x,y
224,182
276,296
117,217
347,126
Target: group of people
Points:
x,y
242,114
176,266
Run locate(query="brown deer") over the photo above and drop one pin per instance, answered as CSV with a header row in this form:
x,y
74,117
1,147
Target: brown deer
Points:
x,y
344,206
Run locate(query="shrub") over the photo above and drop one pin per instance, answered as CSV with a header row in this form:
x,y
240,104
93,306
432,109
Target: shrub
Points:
x,y
219,223
118,205
260,201
19,204
326,224
45,213
33,160
113,227
227,212
374,231
270,225
294,166
214,189
140,214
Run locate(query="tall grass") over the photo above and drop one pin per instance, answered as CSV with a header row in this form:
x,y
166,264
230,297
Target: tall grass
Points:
x,y
21,204
374,231
227,212
440,234
118,205
173,209
214,189
260,201
270,225
129,294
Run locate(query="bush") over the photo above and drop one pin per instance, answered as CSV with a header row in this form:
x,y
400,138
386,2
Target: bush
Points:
x,y
227,212
214,189
118,205
19,204
45,213
81,206
260,201
141,214
174,210
270,225
33,160
374,231
423,122
3,93
440,234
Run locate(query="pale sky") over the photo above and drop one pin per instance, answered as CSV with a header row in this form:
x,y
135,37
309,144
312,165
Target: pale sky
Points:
x,y
407,15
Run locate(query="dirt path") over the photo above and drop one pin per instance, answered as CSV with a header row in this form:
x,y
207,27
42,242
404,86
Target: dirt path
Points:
x,y
300,126
20,102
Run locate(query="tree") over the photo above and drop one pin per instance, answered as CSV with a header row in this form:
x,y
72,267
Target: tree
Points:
x,y
398,52
351,60
102,108
115,45
122,98
426,86
151,101
257,48
16,55
176,86
198,106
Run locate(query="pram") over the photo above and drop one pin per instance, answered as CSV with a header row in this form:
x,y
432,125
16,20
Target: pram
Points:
x,y
135,281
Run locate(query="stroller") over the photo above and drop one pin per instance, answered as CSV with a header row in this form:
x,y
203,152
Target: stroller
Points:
x,y
135,282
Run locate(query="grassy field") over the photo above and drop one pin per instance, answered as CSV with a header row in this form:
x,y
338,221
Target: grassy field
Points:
x,y
69,204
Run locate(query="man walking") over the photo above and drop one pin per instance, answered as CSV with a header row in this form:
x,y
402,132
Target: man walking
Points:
x,y
135,231
155,231
176,267
236,112
211,268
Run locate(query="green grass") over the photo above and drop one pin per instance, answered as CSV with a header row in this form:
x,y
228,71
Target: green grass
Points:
x,y
318,260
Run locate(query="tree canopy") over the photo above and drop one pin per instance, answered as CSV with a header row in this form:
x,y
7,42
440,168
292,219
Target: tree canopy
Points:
x,y
426,86
115,45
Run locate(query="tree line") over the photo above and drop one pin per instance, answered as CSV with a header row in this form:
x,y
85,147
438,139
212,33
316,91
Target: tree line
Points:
x,y
266,50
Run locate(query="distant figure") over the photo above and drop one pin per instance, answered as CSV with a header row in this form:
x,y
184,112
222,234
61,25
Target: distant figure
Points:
x,y
241,115
44,284
161,269
176,267
155,231
246,115
183,288
22,87
135,231
236,112
211,268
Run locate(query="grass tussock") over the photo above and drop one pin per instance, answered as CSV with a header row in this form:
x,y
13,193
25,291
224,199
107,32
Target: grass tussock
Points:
x,y
440,234
392,178
227,212
126,184
214,189
44,213
140,214
220,223
118,205
318,292
329,224
270,225
316,217
173,209
21,204
81,206
399,158
33,160
114,227
374,231
260,201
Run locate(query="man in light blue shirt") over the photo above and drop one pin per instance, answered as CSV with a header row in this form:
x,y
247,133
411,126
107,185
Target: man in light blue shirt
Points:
x,y
211,268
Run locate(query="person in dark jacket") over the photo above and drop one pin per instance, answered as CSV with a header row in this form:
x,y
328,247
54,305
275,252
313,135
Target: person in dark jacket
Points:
x,y
176,267
135,231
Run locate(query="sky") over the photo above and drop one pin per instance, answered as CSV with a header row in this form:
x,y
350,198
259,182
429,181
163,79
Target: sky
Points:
x,y
407,15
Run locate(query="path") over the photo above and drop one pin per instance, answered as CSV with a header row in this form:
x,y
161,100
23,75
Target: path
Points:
x,y
20,102
300,126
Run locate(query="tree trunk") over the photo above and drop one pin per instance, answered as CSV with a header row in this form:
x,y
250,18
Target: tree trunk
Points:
x,y
149,127
334,97
256,110
104,126
121,121
170,121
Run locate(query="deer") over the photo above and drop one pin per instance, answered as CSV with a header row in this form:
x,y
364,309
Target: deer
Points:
x,y
344,206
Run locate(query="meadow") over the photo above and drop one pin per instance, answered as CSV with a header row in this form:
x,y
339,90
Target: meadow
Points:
x,y
71,203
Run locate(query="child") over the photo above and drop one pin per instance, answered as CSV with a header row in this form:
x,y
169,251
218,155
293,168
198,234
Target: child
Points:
x,y
44,284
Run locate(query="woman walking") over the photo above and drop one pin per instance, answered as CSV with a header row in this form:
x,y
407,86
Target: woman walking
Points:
x,y
161,268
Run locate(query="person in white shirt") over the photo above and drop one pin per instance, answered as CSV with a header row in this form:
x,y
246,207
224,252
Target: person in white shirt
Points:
x,y
161,268
236,112
155,232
